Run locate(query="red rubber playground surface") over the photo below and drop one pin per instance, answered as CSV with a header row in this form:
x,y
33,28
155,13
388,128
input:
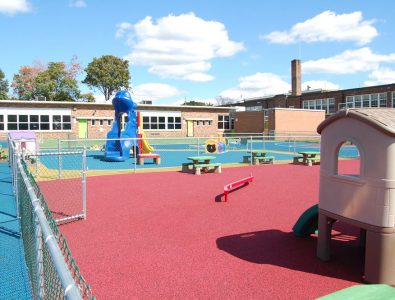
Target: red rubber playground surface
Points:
x,y
164,235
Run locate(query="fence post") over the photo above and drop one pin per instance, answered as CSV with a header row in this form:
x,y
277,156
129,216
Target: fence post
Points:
x,y
84,182
17,157
135,142
198,146
59,161
39,259
251,150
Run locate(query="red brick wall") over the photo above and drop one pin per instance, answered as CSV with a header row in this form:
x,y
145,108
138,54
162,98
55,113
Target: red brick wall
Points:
x,y
249,122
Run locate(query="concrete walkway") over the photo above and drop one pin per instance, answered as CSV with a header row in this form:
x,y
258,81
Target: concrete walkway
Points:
x,y
14,279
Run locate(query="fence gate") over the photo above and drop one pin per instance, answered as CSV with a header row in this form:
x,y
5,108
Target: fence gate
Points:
x,y
61,177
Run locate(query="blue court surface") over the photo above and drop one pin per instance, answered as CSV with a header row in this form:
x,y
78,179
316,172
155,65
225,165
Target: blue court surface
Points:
x,y
14,279
173,155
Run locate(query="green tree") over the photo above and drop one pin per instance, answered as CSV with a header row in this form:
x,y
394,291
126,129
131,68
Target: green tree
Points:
x,y
107,74
87,97
56,83
3,86
196,103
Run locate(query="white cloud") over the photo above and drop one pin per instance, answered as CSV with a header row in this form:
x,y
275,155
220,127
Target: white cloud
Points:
x,y
179,47
155,91
347,62
327,26
259,84
77,3
320,84
12,7
381,76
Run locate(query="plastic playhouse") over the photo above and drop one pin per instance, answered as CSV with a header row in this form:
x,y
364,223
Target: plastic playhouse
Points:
x,y
365,200
120,140
25,142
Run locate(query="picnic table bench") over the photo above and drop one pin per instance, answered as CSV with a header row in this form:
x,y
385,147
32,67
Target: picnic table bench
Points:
x,y
201,164
308,158
142,157
258,156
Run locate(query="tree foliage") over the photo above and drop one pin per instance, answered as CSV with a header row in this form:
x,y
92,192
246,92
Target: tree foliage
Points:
x,y
55,81
3,86
24,82
107,74
196,103
87,97
223,101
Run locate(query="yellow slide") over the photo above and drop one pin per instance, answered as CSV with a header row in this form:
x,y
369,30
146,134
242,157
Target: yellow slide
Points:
x,y
145,145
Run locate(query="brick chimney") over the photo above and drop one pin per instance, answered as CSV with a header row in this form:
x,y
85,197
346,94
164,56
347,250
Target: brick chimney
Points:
x,y
296,77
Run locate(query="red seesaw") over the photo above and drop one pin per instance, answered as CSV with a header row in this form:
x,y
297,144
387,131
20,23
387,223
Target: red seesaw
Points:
x,y
233,185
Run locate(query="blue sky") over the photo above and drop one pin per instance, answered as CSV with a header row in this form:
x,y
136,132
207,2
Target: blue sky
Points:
x,y
198,50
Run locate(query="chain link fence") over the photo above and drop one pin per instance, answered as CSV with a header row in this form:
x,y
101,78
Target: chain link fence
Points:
x,y
106,156
52,270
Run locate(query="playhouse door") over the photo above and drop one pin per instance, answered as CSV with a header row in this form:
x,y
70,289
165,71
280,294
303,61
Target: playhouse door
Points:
x,y
189,128
82,128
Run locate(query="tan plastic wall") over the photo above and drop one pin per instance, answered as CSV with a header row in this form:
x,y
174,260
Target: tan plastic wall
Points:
x,y
369,197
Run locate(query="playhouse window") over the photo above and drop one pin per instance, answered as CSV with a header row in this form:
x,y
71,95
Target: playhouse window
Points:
x,y
348,160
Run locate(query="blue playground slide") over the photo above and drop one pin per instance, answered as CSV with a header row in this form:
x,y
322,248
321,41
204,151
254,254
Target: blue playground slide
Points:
x,y
119,150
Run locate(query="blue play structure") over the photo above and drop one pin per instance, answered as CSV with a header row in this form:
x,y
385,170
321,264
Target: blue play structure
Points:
x,y
119,150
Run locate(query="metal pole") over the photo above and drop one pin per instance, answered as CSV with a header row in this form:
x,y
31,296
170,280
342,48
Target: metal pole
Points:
x,y
59,161
135,142
263,141
84,182
39,259
18,155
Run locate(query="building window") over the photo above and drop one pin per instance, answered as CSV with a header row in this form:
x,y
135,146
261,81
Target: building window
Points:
x,y
23,122
109,122
223,122
161,122
369,100
393,99
101,122
34,122
44,122
61,122
322,104
173,123
93,122
382,100
12,122
66,122
56,122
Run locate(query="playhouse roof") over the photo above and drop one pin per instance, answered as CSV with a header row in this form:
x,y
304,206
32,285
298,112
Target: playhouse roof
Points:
x,y
383,119
22,135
